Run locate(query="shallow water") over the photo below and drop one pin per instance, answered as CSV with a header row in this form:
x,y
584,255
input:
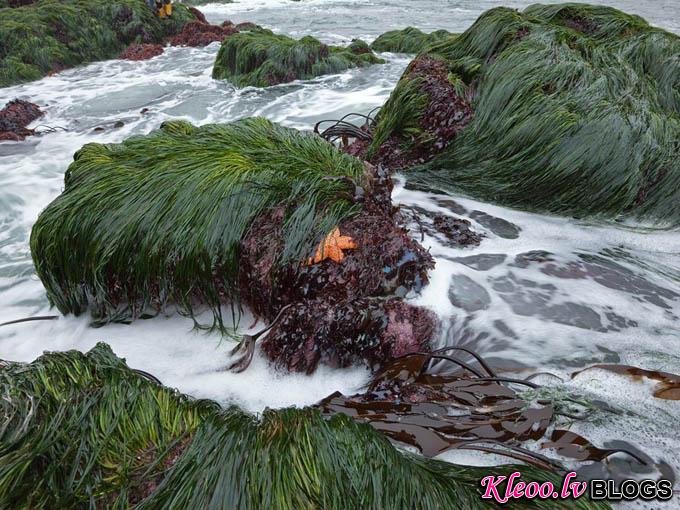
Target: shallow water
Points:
x,y
539,293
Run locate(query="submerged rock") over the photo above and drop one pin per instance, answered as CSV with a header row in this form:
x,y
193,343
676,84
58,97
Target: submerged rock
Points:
x,y
408,40
39,39
14,118
575,111
261,58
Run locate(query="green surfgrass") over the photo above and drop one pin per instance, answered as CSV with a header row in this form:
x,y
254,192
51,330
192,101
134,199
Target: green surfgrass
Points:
x,y
262,58
158,219
84,431
408,40
51,35
576,111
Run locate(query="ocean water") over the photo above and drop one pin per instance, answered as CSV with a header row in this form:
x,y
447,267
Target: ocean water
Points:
x,y
540,293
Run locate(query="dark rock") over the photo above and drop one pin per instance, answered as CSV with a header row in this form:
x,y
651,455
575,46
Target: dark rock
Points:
x,y
499,226
198,33
483,261
465,293
457,230
14,118
141,52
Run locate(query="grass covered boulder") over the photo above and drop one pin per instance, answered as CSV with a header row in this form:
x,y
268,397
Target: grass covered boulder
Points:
x,y
194,218
408,40
85,431
567,108
261,58
52,35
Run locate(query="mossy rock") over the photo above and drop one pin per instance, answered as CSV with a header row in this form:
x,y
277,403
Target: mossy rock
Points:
x,y
408,40
85,431
575,112
159,218
262,59
52,35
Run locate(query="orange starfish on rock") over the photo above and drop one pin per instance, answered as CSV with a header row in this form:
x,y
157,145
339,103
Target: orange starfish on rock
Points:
x,y
331,248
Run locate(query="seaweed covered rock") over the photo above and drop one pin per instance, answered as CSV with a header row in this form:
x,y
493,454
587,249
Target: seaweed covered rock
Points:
x,y
14,118
340,314
408,40
238,213
574,109
154,226
199,33
85,431
141,51
261,58
424,113
56,34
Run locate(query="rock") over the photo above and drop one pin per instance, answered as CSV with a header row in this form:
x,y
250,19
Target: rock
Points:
x,y
198,33
427,130
467,294
14,117
247,26
69,33
549,131
256,218
118,124
408,40
261,59
456,229
141,51
198,15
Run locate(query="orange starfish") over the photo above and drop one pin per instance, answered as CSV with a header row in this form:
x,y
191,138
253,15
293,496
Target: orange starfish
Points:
x,y
331,248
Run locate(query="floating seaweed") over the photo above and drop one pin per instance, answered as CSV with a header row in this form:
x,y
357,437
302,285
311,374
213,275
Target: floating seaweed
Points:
x,y
261,58
667,387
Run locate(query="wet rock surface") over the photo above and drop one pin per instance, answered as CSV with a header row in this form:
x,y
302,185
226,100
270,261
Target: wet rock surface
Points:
x,y
200,33
141,52
482,262
330,300
14,118
449,230
446,113
499,226
465,293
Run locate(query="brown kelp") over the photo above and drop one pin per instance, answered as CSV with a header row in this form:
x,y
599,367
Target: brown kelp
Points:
x,y
85,431
260,58
451,399
408,40
56,34
570,108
